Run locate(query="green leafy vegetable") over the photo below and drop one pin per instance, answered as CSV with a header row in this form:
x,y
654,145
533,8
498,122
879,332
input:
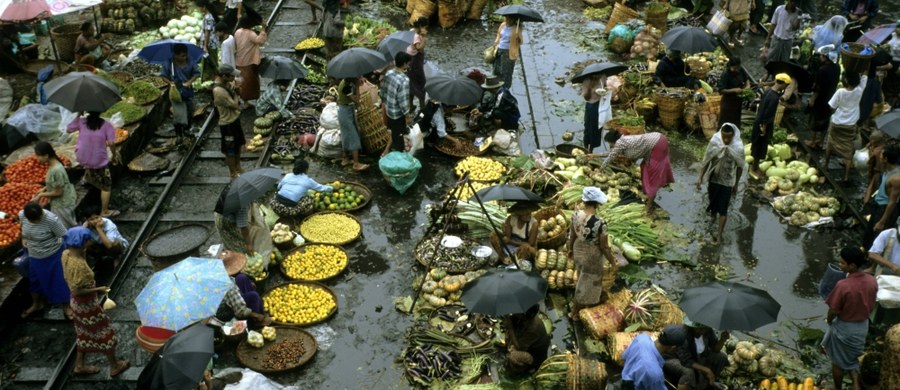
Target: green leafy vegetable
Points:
x,y
130,112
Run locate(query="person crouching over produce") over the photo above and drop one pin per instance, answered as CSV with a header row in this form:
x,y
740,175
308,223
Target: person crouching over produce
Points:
x,y
273,99
293,198
433,124
724,161
849,306
520,232
643,368
653,150
181,74
589,246
672,71
498,107
527,341
241,301
57,187
104,231
698,361
764,124
843,130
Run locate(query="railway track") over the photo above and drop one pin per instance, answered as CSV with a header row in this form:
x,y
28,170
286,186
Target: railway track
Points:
x,y
188,195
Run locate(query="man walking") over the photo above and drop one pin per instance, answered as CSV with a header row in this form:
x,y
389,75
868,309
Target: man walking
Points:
x,y
785,23
395,100
724,161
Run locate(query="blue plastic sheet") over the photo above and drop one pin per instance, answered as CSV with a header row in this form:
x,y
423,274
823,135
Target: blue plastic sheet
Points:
x,y
400,169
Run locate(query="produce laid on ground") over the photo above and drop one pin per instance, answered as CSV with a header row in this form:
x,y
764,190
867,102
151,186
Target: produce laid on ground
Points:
x,y
130,112
121,135
441,289
466,193
186,28
555,266
10,232
463,148
30,170
427,363
300,303
310,44
480,168
315,262
758,362
283,354
360,31
263,125
141,92
342,197
805,208
281,233
255,267
330,228
460,259
256,143
14,196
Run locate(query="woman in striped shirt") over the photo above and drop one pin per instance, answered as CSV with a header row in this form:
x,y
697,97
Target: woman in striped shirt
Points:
x,y
653,150
42,236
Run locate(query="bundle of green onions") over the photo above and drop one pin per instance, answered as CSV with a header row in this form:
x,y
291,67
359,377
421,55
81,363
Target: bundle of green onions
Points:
x,y
479,225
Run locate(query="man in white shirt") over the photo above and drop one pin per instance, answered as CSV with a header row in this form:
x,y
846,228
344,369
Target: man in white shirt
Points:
x,y
843,130
227,49
879,254
785,23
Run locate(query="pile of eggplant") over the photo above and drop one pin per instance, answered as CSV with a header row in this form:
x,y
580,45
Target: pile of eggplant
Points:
x,y
426,363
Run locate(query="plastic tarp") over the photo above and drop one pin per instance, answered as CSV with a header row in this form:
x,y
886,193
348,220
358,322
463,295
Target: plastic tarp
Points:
x,y
45,121
400,169
888,291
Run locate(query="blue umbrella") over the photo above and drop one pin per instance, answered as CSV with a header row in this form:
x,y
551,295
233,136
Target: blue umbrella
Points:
x,y
160,52
183,293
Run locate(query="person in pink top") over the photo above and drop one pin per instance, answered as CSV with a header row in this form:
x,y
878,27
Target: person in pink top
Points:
x,y
95,134
246,57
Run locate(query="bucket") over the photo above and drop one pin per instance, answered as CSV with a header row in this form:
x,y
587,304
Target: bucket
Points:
x,y
833,274
150,338
852,60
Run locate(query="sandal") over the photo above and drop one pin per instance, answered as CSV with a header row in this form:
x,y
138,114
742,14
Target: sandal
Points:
x,y
87,370
123,365
111,214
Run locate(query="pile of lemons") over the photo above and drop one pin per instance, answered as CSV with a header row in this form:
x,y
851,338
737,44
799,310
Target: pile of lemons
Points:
x,y
315,262
299,303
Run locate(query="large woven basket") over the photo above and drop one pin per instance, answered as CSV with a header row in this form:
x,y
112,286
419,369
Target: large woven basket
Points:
x,y
659,17
64,37
449,12
557,240
692,115
852,60
709,115
670,104
254,358
423,8
620,14
476,9
372,131
585,373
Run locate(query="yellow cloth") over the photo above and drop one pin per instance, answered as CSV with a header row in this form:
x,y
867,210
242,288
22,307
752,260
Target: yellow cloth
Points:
x,y
76,271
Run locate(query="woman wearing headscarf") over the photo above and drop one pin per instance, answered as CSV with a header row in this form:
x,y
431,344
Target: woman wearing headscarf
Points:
x,y
724,162
824,86
589,246
507,43
829,33
246,57
93,329
653,151
42,237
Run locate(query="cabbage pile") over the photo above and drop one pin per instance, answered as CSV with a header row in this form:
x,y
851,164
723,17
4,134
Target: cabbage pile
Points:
x,y
188,28
805,208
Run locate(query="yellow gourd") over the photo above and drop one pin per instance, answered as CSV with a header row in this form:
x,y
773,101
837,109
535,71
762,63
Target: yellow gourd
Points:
x,y
765,384
774,386
809,383
782,382
792,386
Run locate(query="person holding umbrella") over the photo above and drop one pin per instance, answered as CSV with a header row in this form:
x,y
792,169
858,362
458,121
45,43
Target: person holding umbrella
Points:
x,y
416,70
181,74
842,130
93,329
699,361
507,44
350,140
643,368
247,57
226,100
527,341
588,246
824,85
520,232
653,151
849,306
273,99
764,124
95,135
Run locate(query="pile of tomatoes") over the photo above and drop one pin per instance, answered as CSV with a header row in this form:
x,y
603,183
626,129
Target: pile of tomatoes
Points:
x,y
29,170
9,231
14,196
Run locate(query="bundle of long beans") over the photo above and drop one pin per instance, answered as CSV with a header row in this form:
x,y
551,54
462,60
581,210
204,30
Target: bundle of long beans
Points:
x,y
628,223
479,225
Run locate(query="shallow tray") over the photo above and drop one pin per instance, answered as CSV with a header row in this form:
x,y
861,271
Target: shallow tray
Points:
x,y
164,245
252,357
360,189
319,285
469,244
302,248
299,228
443,147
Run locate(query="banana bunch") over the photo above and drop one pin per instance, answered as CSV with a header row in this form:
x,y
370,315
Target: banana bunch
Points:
x,y
480,168
310,44
256,143
282,233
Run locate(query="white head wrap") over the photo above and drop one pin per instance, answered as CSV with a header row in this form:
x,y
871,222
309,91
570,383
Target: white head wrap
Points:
x,y
828,51
593,194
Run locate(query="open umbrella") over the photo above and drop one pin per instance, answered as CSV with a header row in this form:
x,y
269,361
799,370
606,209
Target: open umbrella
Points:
x,y
454,90
889,123
160,52
508,291
796,71
281,68
522,12
82,91
606,68
729,306
507,192
183,293
248,187
23,10
688,39
395,43
877,35
180,363
355,62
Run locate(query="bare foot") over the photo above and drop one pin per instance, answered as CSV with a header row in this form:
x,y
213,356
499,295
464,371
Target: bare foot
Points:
x,y
360,167
31,310
121,366
346,162
86,370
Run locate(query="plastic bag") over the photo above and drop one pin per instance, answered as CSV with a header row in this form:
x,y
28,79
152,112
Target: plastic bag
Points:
x,y
541,160
719,23
41,120
861,159
328,143
621,38
506,143
888,291
489,54
415,140
329,117
116,120
400,169
66,117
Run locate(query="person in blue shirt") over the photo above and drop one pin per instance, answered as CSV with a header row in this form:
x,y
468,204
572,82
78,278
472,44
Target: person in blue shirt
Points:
x,y
292,198
643,368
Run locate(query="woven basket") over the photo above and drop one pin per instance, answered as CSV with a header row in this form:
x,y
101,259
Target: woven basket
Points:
x,y
254,358
372,131
64,37
620,14
852,60
60,68
670,104
315,285
709,115
779,114
449,12
658,18
610,272
123,77
411,5
692,115
669,312
890,360
423,8
476,9
557,240
602,320
619,341
585,373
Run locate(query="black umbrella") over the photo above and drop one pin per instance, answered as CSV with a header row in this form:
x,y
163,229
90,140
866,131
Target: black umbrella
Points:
x,y
180,363
606,68
729,306
889,123
507,192
355,62
281,68
522,12
798,74
82,91
395,43
248,187
688,39
454,90
508,291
